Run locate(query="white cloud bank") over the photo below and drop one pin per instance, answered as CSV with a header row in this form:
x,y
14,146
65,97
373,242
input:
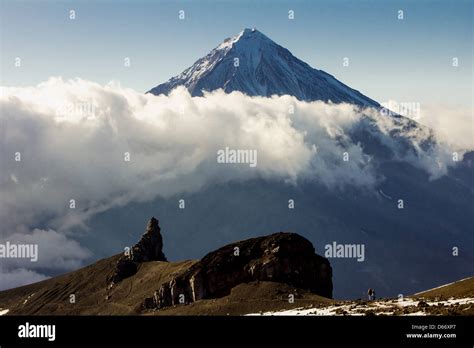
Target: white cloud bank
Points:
x,y
454,126
56,252
73,137
12,278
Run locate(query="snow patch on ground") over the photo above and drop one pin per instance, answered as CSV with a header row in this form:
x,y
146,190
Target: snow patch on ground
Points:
x,y
379,307
3,311
29,296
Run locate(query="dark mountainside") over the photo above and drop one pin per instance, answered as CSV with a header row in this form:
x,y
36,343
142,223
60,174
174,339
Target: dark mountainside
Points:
x,y
244,277
255,276
281,257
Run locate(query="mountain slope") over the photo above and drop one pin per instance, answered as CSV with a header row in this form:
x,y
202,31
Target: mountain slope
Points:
x,y
255,65
460,288
93,297
261,277
451,299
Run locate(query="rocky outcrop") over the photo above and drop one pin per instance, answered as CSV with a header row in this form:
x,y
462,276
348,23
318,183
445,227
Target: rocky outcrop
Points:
x,y
280,257
148,248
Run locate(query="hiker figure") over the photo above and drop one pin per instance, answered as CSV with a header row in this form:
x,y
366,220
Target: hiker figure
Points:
x,y
373,294
370,294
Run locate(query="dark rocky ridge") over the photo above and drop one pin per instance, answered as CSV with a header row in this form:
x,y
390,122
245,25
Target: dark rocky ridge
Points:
x,y
148,248
281,257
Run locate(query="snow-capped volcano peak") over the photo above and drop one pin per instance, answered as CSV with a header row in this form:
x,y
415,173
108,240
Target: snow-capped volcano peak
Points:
x,y
246,34
252,63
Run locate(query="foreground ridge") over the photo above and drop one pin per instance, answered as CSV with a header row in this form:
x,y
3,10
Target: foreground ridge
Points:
x,y
281,257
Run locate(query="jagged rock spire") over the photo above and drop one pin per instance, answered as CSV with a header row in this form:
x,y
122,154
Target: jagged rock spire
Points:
x,y
148,248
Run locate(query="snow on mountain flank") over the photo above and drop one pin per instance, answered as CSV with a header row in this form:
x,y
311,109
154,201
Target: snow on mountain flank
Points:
x,y
406,306
252,63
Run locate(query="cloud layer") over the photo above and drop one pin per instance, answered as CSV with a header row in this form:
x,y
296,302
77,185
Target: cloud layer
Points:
x,y
56,252
105,146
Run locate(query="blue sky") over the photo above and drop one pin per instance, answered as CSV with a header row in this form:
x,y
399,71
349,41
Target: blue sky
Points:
x,y
404,60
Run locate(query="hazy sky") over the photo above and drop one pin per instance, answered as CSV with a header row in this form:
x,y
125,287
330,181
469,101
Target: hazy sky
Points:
x,y
407,60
